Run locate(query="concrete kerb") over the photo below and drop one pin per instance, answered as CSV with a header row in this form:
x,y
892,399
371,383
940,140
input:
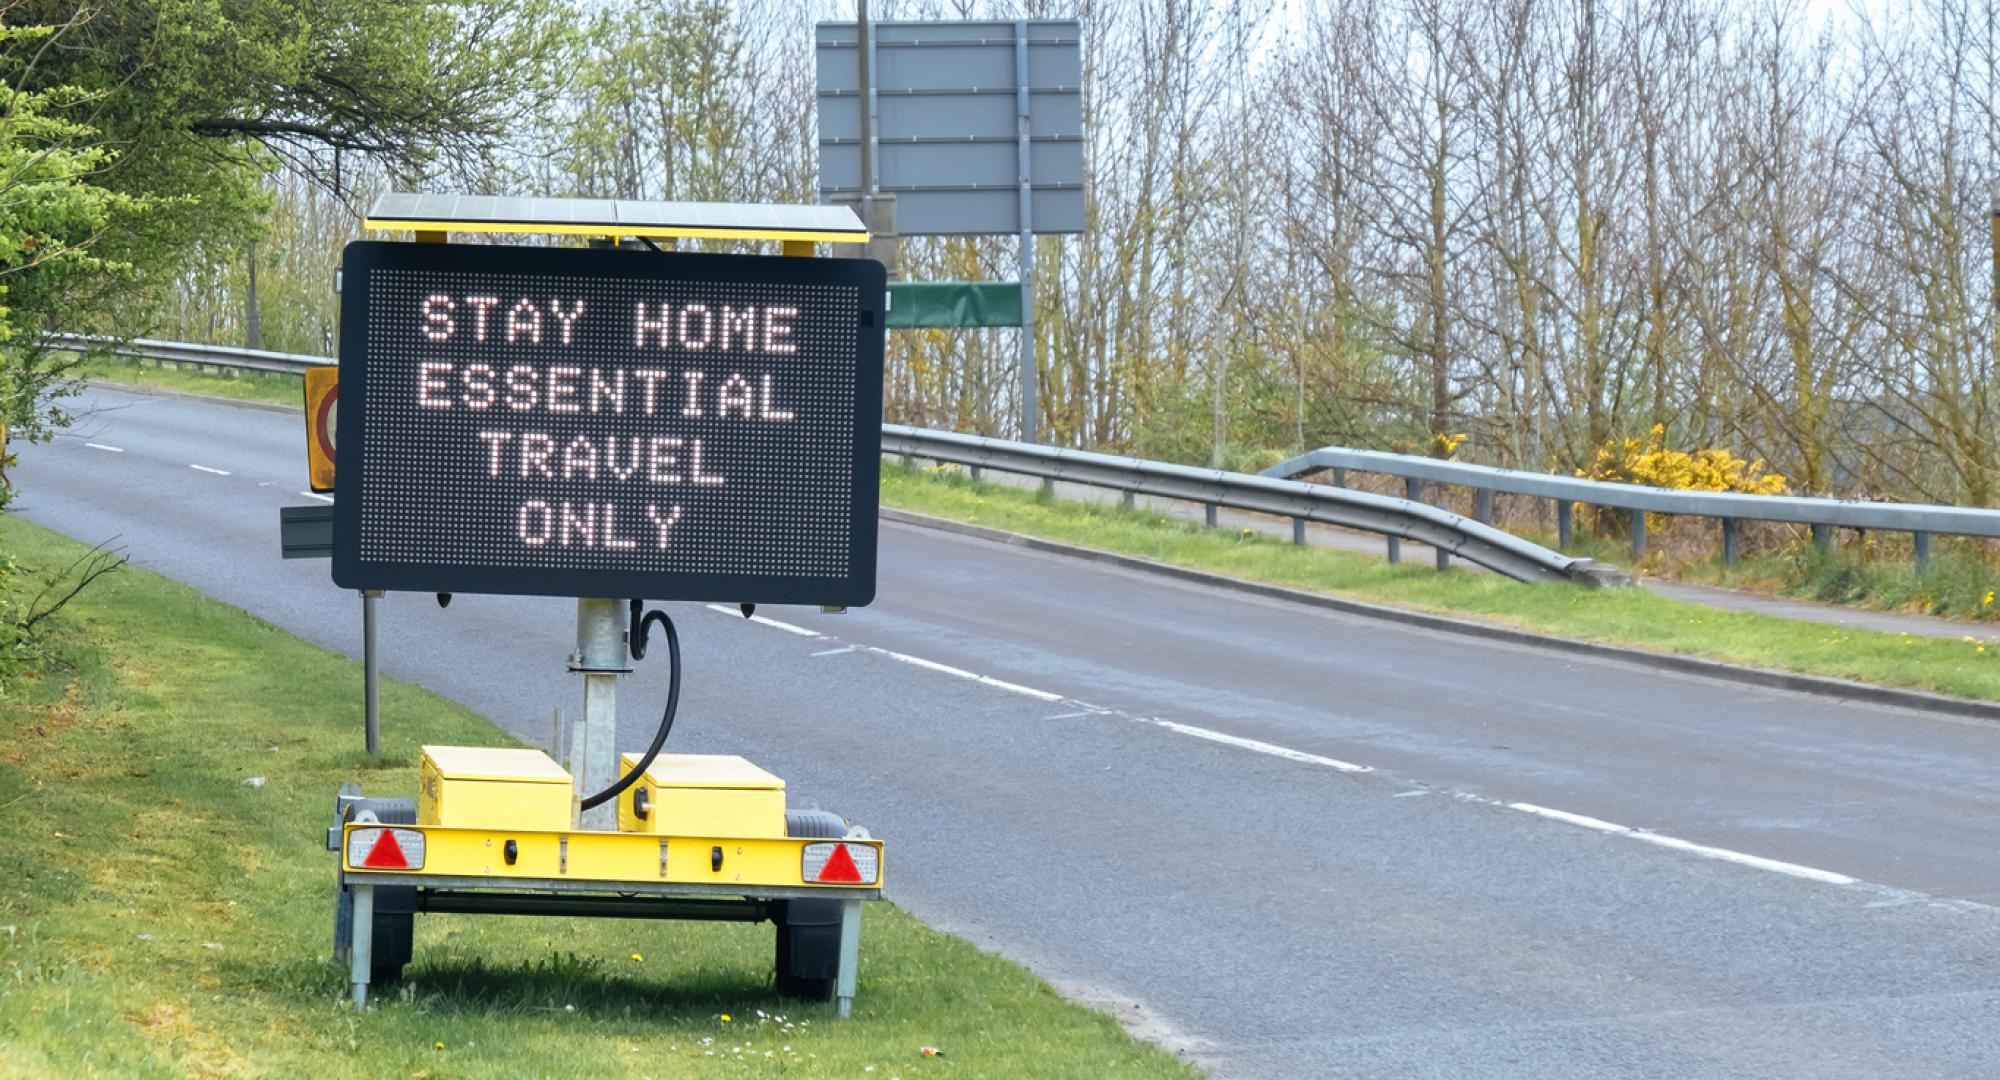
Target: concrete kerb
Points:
x,y
1818,685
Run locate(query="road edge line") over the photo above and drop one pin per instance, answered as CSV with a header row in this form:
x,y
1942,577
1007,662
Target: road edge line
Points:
x,y
1828,686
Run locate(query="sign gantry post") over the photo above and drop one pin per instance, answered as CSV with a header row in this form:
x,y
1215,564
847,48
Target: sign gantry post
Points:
x,y
974,127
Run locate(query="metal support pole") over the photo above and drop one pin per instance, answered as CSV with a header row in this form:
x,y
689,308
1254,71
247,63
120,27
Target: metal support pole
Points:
x,y
1822,537
978,474
1129,500
1395,550
850,957
600,658
1920,548
1048,490
1299,531
1563,527
1413,489
1339,477
1208,514
1443,558
1482,506
1729,542
1638,518
361,949
370,668
864,50
1030,392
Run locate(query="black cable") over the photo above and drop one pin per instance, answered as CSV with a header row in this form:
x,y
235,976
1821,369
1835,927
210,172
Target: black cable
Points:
x,y
642,621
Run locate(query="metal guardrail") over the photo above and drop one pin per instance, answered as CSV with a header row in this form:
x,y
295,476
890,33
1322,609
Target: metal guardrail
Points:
x,y
1397,519
182,352
1731,508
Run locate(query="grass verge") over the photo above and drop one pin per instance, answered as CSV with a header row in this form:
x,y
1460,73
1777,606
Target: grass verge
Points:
x,y
160,917
1965,667
270,387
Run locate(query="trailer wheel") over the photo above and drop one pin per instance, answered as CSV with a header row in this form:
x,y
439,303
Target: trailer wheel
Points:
x,y
394,926
808,959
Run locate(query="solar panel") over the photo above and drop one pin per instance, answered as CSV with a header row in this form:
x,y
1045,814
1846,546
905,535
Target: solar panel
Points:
x,y
615,217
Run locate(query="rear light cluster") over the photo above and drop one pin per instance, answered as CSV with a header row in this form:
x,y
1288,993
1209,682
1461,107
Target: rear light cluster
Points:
x,y
385,849
838,863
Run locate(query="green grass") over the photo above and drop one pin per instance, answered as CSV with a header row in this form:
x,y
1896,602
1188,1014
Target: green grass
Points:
x,y
1958,583
272,387
160,918
1622,616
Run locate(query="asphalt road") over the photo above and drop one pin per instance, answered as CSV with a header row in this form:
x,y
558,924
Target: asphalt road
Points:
x,y
1303,843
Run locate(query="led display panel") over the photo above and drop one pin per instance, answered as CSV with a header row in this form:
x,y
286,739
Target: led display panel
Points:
x,y
610,423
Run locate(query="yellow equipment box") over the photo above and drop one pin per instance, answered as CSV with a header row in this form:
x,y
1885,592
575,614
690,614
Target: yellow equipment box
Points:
x,y
486,788
703,795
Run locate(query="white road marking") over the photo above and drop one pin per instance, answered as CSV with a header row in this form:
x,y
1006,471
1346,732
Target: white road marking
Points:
x,y
1676,843
785,626
107,449
317,495
1409,794
1262,747
836,652
206,469
1810,873
1017,688
1069,715
1568,818
933,665
973,676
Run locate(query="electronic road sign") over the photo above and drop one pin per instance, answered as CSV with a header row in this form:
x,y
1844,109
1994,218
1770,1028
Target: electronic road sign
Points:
x,y
609,423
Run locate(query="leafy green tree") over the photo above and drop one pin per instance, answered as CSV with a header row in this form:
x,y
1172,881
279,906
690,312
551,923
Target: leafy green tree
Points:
x,y
137,135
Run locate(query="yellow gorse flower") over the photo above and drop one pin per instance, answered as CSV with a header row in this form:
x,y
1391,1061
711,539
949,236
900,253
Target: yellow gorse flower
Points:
x,y
1630,461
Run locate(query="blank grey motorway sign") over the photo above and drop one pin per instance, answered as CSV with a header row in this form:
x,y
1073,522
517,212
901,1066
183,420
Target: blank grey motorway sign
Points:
x,y
947,111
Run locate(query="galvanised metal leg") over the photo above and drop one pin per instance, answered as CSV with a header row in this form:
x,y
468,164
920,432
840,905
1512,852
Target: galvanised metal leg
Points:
x,y
1443,558
361,954
1395,550
1920,548
1299,531
1129,501
1638,518
850,957
1482,502
1208,514
1729,546
371,707
1563,509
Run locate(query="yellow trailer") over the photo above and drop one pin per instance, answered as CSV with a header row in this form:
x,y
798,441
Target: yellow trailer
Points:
x,y
452,353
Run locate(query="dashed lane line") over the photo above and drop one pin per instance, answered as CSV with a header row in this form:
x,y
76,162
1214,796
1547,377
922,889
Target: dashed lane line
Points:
x,y
1757,862
773,623
1810,873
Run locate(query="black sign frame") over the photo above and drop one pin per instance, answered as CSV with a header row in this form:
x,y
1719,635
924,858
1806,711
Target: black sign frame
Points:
x,y
362,258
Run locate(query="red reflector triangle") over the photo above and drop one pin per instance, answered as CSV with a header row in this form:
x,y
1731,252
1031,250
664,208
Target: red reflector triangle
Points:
x,y
839,867
387,854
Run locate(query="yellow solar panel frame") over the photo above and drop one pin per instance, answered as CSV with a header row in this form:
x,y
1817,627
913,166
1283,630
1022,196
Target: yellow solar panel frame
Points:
x,y
615,217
